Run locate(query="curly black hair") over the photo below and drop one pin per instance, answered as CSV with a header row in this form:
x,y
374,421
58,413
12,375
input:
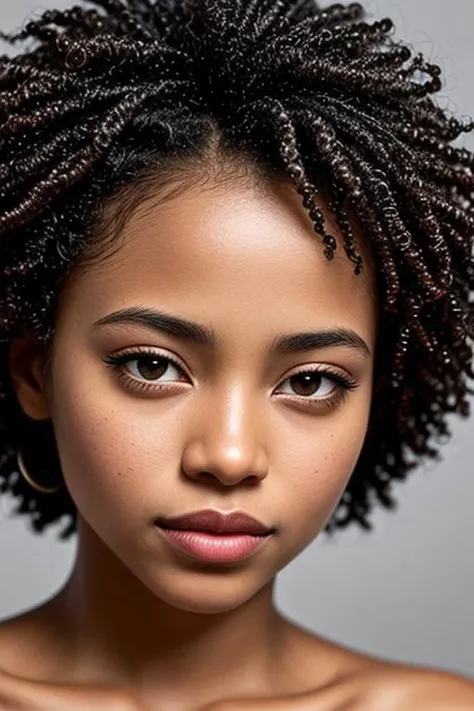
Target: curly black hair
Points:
x,y
107,105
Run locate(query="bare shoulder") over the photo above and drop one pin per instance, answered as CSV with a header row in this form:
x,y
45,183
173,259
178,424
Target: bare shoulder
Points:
x,y
20,642
17,691
26,672
397,687
355,681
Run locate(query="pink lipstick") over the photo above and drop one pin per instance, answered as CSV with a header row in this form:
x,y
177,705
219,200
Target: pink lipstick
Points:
x,y
216,537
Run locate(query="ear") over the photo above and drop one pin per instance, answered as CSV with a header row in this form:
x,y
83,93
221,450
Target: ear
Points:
x,y
26,364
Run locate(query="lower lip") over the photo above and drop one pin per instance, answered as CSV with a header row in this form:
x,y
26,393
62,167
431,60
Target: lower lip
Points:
x,y
215,547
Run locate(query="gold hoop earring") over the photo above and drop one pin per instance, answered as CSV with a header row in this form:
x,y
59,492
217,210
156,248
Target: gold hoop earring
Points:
x,y
27,477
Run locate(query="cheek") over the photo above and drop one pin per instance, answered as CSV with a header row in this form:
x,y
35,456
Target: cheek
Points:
x,y
320,468
114,456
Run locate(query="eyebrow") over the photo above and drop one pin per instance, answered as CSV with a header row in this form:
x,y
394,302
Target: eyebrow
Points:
x,y
205,336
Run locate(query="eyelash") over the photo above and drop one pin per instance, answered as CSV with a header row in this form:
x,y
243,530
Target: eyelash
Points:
x,y
344,383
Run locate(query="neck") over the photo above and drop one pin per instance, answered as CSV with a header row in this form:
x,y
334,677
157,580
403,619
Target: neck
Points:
x,y
120,632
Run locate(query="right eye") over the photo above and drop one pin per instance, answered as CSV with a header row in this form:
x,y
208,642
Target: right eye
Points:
x,y
146,368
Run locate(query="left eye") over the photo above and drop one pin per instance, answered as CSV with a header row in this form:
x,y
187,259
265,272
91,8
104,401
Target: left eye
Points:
x,y
309,383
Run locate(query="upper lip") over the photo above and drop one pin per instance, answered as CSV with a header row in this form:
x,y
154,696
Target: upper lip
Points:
x,y
216,522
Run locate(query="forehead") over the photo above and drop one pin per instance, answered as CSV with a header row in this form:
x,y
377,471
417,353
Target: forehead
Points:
x,y
235,253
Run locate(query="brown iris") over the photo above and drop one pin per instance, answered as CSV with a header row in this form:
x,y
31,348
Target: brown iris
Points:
x,y
152,368
305,384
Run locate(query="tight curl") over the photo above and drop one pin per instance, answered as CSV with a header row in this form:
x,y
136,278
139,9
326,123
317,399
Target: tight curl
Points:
x,y
112,101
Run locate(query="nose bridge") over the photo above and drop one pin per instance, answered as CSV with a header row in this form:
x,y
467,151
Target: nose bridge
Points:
x,y
227,438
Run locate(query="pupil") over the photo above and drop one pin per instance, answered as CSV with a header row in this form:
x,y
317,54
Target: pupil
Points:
x,y
306,383
148,367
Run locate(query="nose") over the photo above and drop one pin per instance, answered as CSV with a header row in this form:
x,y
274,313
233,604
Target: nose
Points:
x,y
226,442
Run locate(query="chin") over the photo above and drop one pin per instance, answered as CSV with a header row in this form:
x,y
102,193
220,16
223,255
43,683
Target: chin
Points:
x,y
207,591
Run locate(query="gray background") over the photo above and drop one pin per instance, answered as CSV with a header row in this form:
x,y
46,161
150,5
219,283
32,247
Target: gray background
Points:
x,y
405,591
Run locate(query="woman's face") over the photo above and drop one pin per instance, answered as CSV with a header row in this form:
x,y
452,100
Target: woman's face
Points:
x,y
223,425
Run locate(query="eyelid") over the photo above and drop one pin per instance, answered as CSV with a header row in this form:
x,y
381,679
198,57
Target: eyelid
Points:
x,y
321,368
134,352
342,381
343,385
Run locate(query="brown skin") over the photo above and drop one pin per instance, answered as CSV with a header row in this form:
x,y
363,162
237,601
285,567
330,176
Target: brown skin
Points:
x,y
230,432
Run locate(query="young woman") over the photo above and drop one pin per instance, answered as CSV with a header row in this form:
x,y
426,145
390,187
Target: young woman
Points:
x,y
236,249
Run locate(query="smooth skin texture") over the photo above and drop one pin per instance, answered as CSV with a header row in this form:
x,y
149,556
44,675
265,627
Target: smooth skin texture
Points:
x,y
225,426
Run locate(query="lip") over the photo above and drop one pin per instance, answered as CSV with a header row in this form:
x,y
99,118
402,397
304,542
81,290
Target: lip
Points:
x,y
213,536
214,521
215,547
